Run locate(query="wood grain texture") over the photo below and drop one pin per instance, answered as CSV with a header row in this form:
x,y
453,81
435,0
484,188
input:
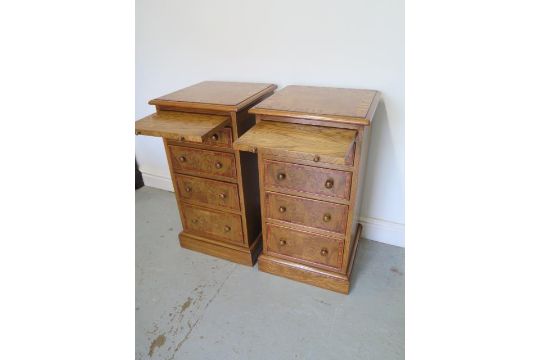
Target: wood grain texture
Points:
x,y
356,191
180,126
312,213
216,95
238,255
307,179
203,161
321,103
219,225
314,143
303,273
208,192
304,247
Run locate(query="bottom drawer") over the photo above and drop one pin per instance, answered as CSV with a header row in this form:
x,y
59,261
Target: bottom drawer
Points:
x,y
304,247
219,225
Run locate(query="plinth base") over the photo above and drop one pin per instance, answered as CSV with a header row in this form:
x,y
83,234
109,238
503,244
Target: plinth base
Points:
x,y
237,254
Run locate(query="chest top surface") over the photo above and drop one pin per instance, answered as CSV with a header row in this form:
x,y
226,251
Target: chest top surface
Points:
x,y
218,95
353,106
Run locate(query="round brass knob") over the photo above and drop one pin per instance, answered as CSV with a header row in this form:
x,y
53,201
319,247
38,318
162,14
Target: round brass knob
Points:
x,y
282,242
327,217
218,165
282,209
329,184
316,158
215,137
194,221
227,228
222,196
324,251
280,176
188,189
182,159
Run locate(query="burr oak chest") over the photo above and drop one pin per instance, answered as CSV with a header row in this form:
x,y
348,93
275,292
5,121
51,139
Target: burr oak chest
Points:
x,y
311,144
215,185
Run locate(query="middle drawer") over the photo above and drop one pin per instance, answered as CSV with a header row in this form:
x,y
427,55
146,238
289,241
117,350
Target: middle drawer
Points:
x,y
314,213
203,161
211,192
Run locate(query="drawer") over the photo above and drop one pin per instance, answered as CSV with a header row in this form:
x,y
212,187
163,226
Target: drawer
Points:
x,y
318,214
308,179
304,247
220,138
222,226
210,192
203,161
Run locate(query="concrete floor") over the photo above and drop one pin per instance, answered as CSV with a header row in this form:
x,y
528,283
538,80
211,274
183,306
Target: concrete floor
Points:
x,y
193,306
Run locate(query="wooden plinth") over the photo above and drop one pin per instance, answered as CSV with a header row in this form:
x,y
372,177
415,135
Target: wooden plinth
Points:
x,y
310,275
240,255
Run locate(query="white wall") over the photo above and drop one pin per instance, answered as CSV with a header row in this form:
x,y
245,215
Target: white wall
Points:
x,y
342,43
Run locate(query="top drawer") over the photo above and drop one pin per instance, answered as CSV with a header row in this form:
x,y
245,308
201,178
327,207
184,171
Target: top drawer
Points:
x,y
220,139
308,179
203,161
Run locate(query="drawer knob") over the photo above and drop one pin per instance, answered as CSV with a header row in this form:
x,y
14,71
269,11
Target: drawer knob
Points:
x,y
194,221
282,209
316,158
218,165
329,184
324,251
215,137
222,196
327,217
182,159
282,242
188,189
227,228
280,176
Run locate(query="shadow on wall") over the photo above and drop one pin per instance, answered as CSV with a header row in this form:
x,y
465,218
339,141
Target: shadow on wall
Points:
x,y
382,150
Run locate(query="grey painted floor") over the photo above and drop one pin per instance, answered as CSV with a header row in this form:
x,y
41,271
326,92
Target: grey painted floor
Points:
x,y
193,306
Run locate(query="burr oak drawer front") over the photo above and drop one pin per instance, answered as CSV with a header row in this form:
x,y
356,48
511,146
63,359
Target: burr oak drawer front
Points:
x,y
203,161
308,179
211,192
314,213
219,225
304,247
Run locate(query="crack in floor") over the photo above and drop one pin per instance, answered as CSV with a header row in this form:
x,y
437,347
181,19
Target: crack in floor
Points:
x,y
176,320
191,327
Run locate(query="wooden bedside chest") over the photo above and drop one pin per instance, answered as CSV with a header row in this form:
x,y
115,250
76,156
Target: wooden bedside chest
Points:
x,y
312,147
215,186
